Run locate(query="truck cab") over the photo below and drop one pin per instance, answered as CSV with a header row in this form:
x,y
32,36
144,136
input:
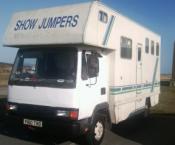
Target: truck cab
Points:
x,y
60,87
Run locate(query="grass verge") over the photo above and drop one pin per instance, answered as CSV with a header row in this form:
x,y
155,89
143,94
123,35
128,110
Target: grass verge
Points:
x,y
4,79
166,102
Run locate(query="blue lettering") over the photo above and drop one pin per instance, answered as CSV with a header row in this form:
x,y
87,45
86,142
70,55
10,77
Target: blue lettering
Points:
x,y
75,21
69,20
22,25
25,24
58,21
43,24
52,22
33,23
46,23
63,20
17,25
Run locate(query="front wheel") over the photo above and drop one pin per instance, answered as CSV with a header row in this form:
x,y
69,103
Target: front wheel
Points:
x,y
97,131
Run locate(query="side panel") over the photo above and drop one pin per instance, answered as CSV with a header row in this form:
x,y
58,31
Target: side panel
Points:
x,y
127,93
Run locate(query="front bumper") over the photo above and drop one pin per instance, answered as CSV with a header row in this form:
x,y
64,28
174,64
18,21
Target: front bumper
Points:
x,y
49,119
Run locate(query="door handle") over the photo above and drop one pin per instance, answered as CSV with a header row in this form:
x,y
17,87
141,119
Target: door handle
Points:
x,y
103,91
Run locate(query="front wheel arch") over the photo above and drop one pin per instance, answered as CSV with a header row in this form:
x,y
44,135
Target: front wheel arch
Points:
x,y
103,110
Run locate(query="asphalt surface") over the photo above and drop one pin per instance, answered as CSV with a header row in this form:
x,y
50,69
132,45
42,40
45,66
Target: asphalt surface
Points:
x,y
18,136
157,129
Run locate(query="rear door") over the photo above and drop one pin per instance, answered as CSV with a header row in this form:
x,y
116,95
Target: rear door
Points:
x,y
139,68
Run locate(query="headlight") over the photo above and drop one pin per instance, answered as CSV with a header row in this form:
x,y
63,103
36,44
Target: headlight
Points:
x,y
62,113
11,107
73,115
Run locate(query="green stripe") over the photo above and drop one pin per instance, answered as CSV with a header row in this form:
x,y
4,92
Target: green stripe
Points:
x,y
116,91
108,30
154,75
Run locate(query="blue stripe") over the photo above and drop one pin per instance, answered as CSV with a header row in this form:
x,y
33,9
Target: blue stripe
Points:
x,y
108,30
154,75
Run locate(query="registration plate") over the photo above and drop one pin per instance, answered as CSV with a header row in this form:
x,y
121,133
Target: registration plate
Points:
x,y
34,123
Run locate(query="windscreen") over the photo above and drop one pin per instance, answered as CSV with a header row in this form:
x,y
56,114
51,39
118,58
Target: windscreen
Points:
x,y
45,67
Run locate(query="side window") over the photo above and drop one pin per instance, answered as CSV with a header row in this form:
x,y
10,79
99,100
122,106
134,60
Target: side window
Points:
x,y
126,48
90,65
152,47
147,45
139,54
84,74
157,49
103,17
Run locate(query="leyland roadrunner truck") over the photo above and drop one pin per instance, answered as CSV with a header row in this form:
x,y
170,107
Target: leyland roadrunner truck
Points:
x,y
80,66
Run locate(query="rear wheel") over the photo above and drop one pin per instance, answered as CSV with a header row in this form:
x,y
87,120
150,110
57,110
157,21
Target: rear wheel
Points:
x,y
97,131
147,107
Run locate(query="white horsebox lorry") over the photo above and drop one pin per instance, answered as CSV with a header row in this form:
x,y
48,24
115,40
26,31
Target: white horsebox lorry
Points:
x,y
79,66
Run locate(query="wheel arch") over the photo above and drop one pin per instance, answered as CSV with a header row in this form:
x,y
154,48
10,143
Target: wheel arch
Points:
x,y
101,109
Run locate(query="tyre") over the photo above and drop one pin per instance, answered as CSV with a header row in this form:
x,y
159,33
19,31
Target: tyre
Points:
x,y
147,107
97,131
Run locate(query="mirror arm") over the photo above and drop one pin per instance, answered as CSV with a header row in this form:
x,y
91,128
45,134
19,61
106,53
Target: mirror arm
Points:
x,y
90,84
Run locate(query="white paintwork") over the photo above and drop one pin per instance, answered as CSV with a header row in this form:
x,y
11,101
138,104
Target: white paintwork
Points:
x,y
91,96
115,72
58,35
43,96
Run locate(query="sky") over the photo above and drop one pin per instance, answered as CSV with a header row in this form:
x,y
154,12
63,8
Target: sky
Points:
x,y
157,15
